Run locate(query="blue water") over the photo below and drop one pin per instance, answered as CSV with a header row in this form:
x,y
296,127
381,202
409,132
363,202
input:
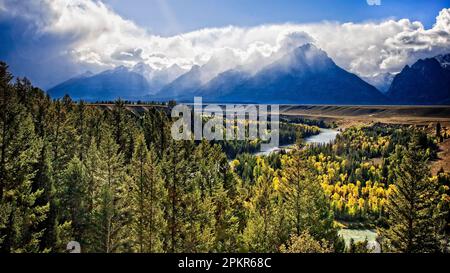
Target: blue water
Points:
x,y
326,136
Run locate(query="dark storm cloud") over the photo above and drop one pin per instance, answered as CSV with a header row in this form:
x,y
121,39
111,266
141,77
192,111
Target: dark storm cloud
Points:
x,y
34,56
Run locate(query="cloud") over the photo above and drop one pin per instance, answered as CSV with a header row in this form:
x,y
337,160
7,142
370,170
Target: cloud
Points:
x,y
87,34
372,48
131,54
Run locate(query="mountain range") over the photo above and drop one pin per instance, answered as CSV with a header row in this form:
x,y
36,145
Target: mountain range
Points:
x,y
108,85
425,82
306,75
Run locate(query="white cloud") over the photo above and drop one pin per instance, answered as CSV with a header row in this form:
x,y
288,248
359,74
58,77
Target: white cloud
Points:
x,y
100,37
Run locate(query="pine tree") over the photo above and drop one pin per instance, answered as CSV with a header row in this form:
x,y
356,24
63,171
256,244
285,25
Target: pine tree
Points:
x,y
8,110
155,127
62,136
175,171
111,209
119,124
92,162
190,205
217,188
73,194
305,243
43,179
305,200
414,222
148,194
197,219
359,247
19,149
80,125
266,213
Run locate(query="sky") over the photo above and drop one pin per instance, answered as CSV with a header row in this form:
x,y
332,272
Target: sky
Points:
x,y
50,41
169,17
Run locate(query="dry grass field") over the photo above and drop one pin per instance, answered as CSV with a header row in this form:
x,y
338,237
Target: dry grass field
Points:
x,y
346,116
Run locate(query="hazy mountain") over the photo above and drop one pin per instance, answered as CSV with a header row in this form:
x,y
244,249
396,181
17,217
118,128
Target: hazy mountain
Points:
x,y
306,75
190,83
158,78
426,82
381,81
108,85
86,74
223,85
184,86
127,83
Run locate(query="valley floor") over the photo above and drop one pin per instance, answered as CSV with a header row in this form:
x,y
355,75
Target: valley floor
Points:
x,y
347,116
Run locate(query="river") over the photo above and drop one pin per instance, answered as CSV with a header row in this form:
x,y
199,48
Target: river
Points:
x,y
324,137
359,235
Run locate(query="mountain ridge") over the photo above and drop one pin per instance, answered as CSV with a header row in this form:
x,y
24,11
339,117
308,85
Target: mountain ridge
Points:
x,y
107,85
427,81
306,75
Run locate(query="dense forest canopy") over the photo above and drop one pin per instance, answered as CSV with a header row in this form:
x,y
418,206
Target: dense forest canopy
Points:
x,y
115,181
